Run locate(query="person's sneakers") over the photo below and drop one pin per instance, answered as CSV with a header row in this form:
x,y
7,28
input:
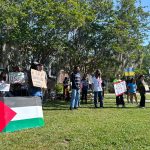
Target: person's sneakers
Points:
x,y
71,108
141,107
75,107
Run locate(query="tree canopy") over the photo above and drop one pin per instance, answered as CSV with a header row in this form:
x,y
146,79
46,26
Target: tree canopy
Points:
x,y
89,33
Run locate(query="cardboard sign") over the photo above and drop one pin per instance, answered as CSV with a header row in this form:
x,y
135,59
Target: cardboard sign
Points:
x,y
4,87
38,78
44,83
16,77
120,87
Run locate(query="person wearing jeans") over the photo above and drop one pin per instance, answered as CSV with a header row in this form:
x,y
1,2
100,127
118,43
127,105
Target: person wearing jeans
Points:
x,y
98,94
76,81
75,96
97,89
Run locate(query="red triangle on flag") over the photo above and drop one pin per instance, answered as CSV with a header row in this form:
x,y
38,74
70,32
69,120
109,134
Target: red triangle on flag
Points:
x,y
6,115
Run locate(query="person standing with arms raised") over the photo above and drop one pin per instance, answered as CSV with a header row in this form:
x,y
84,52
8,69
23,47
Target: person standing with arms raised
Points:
x,y
75,94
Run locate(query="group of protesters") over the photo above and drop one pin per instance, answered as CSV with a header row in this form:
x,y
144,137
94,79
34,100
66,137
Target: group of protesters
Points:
x,y
25,88
78,85
81,85
133,85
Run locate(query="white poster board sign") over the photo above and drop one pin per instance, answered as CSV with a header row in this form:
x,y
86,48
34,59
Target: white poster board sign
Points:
x,y
16,77
120,87
38,78
4,87
146,87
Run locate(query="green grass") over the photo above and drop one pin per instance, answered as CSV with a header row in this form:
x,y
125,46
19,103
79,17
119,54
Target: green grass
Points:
x,y
87,128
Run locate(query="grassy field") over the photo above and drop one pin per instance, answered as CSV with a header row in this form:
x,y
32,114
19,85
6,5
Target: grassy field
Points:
x,y
87,128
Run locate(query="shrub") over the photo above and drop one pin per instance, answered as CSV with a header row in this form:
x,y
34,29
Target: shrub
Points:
x,y
59,88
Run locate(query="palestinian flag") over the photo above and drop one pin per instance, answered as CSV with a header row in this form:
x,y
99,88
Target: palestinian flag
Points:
x,y
17,113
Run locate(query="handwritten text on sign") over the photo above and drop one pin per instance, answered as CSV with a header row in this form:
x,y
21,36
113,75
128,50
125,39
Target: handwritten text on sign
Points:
x,y
4,87
16,77
38,78
120,87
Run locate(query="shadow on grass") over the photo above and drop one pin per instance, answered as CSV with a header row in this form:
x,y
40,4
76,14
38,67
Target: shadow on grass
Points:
x,y
56,105
63,105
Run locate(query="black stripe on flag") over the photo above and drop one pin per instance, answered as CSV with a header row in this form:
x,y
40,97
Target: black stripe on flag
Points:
x,y
21,101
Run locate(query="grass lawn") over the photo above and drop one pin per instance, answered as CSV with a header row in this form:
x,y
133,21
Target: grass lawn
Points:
x,y
87,128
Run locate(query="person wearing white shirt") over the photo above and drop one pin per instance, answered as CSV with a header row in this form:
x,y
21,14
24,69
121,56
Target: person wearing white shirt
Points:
x,y
97,88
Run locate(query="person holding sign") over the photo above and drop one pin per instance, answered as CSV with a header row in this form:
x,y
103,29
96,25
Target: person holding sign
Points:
x,y
34,89
18,79
119,91
4,87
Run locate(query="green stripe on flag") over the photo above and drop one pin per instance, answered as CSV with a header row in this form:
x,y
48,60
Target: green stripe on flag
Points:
x,y
24,124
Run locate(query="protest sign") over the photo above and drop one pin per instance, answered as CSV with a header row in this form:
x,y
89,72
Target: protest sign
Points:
x,y
146,87
4,87
16,77
38,78
120,87
44,83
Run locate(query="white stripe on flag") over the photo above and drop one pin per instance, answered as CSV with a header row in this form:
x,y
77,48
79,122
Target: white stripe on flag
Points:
x,y
27,112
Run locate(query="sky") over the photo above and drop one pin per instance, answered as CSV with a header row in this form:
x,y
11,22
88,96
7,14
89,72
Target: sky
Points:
x,y
147,8
146,5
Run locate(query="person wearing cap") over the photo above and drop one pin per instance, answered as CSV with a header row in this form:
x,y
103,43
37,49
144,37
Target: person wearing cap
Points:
x,y
142,90
97,88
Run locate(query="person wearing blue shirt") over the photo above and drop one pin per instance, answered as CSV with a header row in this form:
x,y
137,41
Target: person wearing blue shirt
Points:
x,y
132,87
